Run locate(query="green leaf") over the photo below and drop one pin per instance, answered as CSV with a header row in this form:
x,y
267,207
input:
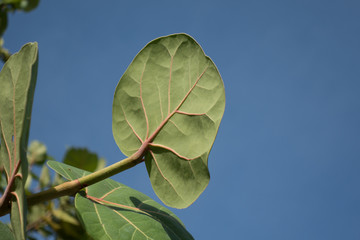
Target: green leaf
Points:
x,y
65,217
111,210
28,5
171,98
5,232
3,22
44,179
28,182
17,81
83,159
37,153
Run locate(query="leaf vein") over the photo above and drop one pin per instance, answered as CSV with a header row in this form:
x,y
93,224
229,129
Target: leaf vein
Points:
x,y
101,223
7,149
142,103
132,128
110,192
132,224
169,86
171,150
161,110
166,179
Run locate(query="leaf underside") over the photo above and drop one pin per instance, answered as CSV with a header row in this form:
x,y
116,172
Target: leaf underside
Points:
x,y
111,210
17,81
171,98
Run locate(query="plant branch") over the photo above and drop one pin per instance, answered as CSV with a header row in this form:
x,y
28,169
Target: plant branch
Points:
x,y
72,187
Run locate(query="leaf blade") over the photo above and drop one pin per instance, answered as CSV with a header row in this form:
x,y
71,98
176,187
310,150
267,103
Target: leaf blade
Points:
x,y
111,210
171,97
18,79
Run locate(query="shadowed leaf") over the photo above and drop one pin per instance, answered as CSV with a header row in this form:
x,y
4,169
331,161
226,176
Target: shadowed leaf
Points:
x,y
111,210
3,22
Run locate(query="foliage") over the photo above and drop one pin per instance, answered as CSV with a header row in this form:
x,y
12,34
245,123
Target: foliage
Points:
x,y
111,210
54,217
7,6
17,79
166,112
171,100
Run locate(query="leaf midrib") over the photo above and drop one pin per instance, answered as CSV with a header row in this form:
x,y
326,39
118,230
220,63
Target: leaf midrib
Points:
x,y
162,124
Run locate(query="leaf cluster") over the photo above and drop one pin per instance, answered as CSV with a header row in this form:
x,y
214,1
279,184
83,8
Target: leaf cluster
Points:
x,y
166,112
55,218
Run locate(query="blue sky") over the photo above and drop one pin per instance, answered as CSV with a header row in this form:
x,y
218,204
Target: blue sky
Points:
x,y
286,161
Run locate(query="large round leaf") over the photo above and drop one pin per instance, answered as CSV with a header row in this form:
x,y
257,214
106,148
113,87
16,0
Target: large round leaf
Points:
x,y
171,99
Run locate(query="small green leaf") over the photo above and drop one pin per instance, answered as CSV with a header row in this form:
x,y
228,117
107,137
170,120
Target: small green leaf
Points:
x,y
65,170
82,158
44,179
28,5
111,210
5,232
171,99
17,81
37,153
65,217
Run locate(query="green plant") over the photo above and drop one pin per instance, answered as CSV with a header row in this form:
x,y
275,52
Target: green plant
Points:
x,y
166,112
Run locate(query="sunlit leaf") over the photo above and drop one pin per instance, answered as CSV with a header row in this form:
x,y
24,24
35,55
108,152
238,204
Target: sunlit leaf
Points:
x,y
111,210
17,81
171,99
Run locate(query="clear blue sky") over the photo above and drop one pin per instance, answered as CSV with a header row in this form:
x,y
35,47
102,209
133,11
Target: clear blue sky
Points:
x,y
286,162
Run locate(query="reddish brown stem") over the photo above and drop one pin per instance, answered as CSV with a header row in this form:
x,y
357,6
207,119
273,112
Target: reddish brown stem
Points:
x,y
5,198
